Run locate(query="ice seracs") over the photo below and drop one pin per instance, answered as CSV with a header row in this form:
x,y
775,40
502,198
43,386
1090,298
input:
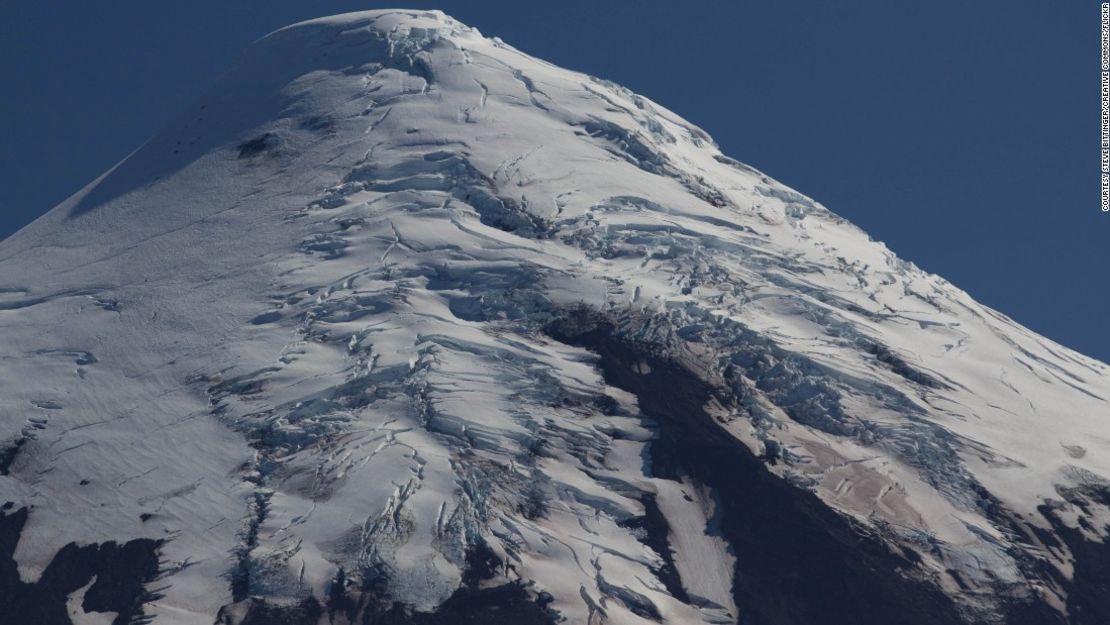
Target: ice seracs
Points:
x,y
398,322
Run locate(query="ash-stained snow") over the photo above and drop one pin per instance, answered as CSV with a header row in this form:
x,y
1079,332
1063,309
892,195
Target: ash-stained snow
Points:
x,y
305,335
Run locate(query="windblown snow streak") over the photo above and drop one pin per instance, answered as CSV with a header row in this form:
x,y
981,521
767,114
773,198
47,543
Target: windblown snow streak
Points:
x,y
400,325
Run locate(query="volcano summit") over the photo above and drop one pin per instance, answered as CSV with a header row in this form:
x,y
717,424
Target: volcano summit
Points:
x,y
399,325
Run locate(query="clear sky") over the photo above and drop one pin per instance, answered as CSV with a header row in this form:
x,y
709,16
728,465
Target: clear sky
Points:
x,y
963,134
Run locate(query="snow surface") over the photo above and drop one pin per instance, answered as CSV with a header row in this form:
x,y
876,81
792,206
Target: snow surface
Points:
x,y
311,310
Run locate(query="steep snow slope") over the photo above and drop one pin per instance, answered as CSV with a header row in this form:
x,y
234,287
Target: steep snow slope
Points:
x,y
399,324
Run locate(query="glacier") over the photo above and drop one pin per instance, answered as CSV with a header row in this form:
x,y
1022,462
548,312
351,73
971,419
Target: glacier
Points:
x,y
398,324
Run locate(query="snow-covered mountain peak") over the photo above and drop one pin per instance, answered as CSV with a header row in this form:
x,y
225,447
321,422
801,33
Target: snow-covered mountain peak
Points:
x,y
397,322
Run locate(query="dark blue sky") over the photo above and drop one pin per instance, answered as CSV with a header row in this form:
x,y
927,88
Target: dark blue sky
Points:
x,y
963,134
